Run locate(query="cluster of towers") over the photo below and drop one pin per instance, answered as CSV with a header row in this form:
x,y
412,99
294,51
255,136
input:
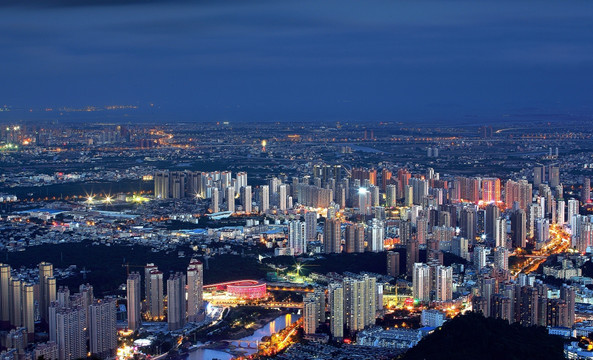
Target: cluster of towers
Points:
x,y
526,301
184,298
350,302
78,324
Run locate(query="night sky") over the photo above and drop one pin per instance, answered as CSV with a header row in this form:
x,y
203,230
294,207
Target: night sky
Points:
x,y
359,60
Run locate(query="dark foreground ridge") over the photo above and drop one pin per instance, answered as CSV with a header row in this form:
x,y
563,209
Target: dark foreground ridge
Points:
x,y
472,336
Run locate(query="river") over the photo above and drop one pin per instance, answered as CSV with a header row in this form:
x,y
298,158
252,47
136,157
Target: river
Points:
x,y
272,327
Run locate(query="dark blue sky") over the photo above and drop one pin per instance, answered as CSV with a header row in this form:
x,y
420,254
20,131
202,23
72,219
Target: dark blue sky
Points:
x,y
305,59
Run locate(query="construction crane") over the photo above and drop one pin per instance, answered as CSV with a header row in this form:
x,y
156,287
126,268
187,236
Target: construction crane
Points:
x,y
128,266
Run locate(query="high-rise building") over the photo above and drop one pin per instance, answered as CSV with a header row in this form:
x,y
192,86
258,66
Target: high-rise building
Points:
x,y
468,224
15,303
103,328
47,288
310,314
479,258
376,236
586,191
176,301
412,256
519,228
195,284
500,232
554,176
421,282
320,298
491,190
5,295
230,199
134,301
501,307
241,180
155,308
282,197
354,238
297,237
444,283
332,236
215,200
459,247
311,226
161,185
69,333
492,214
264,198
520,192
246,198
421,230
539,175
353,303
28,310
501,258
391,195
560,212
336,310
393,263
568,294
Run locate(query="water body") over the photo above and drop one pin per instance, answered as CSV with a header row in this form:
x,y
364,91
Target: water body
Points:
x,y
270,328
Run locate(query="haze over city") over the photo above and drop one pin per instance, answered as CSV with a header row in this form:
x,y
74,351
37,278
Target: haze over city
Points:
x,y
302,60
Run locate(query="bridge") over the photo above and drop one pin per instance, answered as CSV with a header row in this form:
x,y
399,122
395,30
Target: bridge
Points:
x,y
265,305
289,288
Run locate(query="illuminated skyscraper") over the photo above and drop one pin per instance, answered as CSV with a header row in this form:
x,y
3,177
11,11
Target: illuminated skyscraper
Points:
x,y
501,258
155,306
4,295
554,176
297,237
176,301
391,195
479,257
230,199
364,203
195,283
491,190
336,310
311,226
444,283
69,333
103,328
241,180
354,238
332,236
215,200
310,314
246,198
412,256
28,310
500,232
393,263
421,282
353,303
586,191
47,288
376,236
264,198
161,185
519,228
134,301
